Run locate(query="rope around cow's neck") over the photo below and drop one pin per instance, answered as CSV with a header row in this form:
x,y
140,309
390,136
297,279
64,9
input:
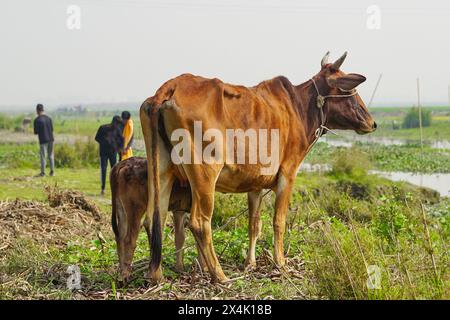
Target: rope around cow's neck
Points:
x,y
320,102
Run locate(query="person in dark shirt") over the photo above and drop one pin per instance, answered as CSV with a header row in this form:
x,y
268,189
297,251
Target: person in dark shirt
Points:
x,y
109,137
43,127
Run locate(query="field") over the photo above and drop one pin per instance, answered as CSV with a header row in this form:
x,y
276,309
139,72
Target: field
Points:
x,y
387,118
346,225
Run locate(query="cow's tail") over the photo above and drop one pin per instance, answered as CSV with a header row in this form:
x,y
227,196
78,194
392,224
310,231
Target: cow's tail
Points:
x,y
150,113
156,245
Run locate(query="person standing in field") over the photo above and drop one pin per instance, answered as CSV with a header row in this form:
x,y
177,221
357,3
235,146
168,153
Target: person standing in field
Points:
x,y
43,127
109,137
128,135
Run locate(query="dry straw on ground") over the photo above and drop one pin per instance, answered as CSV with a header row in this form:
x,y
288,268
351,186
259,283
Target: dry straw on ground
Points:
x,y
68,213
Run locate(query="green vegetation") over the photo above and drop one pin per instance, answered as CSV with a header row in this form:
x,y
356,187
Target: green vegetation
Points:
x,y
390,120
412,118
365,221
84,124
77,155
407,158
10,123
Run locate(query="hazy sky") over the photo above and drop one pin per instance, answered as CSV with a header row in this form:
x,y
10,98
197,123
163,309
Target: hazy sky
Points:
x,y
126,49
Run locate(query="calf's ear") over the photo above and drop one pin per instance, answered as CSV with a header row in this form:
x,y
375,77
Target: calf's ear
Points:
x,y
347,82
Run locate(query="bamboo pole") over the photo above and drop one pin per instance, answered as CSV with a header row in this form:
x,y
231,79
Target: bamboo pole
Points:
x,y
449,94
375,90
430,244
420,114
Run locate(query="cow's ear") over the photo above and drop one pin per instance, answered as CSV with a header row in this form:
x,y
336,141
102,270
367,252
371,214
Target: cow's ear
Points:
x,y
347,82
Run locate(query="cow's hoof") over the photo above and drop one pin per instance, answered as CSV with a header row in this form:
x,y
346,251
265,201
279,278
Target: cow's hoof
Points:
x,y
121,283
124,278
154,277
223,280
249,265
220,278
280,262
179,268
204,268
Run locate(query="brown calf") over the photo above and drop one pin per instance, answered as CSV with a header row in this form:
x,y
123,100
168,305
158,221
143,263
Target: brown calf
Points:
x,y
129,200
129,195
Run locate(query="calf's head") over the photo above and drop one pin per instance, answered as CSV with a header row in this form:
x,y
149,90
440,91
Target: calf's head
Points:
x,y
344,108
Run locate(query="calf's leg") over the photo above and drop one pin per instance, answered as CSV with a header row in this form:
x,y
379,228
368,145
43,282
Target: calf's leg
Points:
x,y
129,226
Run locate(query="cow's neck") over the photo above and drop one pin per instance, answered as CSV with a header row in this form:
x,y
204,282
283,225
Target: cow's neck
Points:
x,y
307,109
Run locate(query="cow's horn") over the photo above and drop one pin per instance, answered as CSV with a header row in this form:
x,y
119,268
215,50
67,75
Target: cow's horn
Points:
x,y
325,59
337,64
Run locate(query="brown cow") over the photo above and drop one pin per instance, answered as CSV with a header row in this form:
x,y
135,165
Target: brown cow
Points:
x,y
129,196
297,114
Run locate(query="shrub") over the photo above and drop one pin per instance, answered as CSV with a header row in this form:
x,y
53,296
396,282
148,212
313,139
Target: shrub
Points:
x,y
87,151
19,156
10,123
66,156
350,162
411,119
77,155
390,219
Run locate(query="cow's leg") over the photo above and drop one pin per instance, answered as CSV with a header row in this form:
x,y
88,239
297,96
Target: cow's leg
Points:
x,y
202,180
178,220
254,225
201,259
283,194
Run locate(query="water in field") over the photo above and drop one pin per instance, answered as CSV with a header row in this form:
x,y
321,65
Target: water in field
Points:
x,y
348,141
437,181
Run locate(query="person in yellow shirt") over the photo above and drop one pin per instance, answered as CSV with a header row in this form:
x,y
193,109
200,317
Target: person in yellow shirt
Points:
x,y
127,134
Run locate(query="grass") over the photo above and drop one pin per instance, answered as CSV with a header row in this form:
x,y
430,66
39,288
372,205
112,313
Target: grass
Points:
x,y
339,223
22,183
